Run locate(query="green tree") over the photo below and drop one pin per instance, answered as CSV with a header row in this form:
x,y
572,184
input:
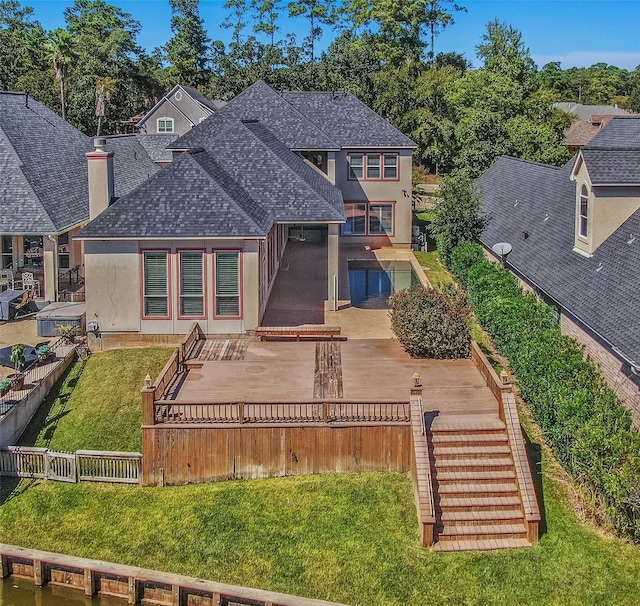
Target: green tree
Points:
x,y
104,90
457,217
235,19
266,14
188,49
60,52
503,52
317,13
439,16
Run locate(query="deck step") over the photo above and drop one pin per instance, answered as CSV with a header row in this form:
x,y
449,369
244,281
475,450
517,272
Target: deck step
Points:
x,y
468,451
492,476
473,464
476,438
481,545
452,532
461,489
466,423
482,518
448,503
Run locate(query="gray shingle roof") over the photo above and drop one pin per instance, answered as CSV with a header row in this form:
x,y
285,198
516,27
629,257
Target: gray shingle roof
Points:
x,y
622,132
603,291
155,145
260,102
43,169
350,122
584,112
611,167
200,98
238,187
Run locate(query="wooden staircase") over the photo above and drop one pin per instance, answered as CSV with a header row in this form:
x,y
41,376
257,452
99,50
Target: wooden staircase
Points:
x,y
476,496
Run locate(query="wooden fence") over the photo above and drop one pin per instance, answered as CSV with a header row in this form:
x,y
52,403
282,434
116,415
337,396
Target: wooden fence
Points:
x,y
327,411
81,466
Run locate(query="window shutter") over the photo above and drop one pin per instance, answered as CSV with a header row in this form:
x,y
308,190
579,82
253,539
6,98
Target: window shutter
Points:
x,y
155,284
191,283
227,284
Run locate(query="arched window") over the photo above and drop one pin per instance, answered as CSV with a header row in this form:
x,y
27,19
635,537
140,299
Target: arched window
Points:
x,y
584,210
165,125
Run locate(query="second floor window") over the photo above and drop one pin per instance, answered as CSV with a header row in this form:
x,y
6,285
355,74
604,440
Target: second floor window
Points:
x,y
584,212
373,167
165,125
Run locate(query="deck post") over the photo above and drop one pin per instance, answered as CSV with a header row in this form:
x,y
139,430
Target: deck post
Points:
x,y
38,573
4,567
332,260
148,406
89,582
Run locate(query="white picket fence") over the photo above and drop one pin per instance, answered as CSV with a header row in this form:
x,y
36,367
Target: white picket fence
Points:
x,y
81,466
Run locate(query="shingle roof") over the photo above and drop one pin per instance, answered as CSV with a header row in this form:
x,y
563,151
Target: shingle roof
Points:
x,y
580,133
602,291
260,102
245,181
156,145
584,112
350,122
200,98
43,169
622,132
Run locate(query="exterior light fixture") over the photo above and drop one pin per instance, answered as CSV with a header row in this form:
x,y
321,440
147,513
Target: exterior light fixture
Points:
x,y
147,380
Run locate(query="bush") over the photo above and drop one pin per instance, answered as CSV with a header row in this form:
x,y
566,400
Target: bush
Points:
x,y
581,417
463,258
432,323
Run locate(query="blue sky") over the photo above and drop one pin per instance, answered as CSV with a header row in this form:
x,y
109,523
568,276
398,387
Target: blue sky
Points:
x,y
575,32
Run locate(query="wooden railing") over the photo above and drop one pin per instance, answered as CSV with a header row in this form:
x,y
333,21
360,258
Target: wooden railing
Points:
x,y
508,413
491,378
327,411
167,375
83,465
190,340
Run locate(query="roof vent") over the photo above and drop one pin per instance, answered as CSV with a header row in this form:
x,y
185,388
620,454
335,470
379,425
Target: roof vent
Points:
x,y
516,203
631,239
599,268
546,217
99,143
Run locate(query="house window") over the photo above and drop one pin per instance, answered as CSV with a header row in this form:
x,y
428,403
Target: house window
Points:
x,y
165,125
381,219
156,284
192,283
228,283
373,167
63,251
390,166
584,209
356,224
356,166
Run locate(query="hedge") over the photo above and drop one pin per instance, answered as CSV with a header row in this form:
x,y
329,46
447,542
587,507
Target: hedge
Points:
x,y
580,415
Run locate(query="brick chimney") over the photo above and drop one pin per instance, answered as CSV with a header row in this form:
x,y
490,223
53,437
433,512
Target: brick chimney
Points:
x,y
100,172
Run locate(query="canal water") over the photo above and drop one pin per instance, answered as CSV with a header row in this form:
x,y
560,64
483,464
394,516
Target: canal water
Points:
x,y
22,592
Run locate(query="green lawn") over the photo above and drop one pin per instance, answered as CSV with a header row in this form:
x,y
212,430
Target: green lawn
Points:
x,y
97,405
347,538
435,272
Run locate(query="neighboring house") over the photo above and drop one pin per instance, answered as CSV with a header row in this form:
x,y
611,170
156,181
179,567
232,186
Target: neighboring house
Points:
x,y
182,108
43,187
590,119
203,239
575,232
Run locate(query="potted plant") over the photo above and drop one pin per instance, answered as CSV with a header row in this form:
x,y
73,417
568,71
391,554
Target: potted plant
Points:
x,y
5,385
44,352
18,359
68,332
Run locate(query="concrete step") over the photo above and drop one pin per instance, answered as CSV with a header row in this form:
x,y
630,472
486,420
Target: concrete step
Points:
x,y
453,532
481,545
462,489
497,503
482,518
493,476
472,464
467,451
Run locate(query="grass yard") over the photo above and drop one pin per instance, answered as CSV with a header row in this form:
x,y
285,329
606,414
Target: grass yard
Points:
x,y
346,538
97,405
433,268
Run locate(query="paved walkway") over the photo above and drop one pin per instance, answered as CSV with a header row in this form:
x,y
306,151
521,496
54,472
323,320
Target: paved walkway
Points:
x,y
369,370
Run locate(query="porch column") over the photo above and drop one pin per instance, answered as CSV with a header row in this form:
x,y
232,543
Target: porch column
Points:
x,y
251,284
332,257
50,263
17,249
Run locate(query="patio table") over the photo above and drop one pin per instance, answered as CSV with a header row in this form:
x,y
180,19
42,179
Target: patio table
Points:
x,y
30,356
6,298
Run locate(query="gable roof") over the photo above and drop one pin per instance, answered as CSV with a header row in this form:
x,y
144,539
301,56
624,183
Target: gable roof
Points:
x,y
238,187
43,169
260,102
601,291
156,145
200,98
584,112
350,122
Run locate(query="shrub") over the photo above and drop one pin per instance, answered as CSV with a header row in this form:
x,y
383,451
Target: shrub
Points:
x,y
581,417
463,258
432,323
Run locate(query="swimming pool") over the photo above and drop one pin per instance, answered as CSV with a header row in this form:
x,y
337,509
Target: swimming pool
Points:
x,y
371,282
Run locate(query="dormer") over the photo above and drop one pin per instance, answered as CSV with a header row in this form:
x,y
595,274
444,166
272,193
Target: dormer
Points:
x,y
607,194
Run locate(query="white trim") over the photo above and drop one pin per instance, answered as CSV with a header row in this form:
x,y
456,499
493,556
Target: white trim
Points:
x,y
165,119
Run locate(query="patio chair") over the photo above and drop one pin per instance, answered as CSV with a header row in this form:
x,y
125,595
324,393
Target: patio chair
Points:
x,y
7,277
21,307
29,282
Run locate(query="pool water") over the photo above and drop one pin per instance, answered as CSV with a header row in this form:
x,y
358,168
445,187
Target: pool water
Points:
x,y
372,282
